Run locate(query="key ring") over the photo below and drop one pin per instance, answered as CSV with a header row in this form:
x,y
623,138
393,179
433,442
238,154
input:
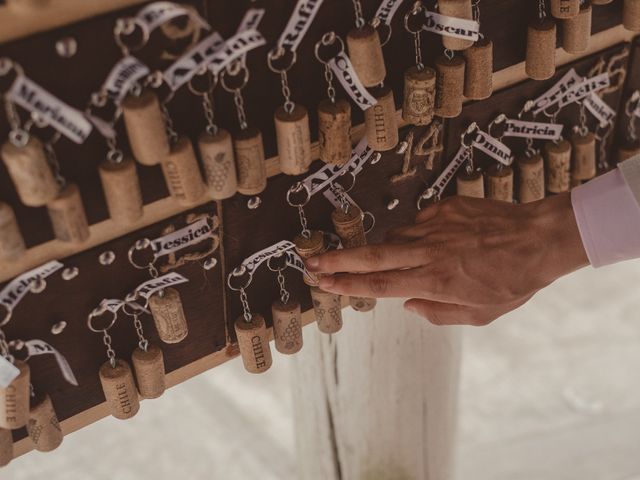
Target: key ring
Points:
x,y
7,315
297,188
98,312
471,130
498,121
226,73
237,273
279,53
208,79
328,39
127,27
372,218
141,245
376,23
417,9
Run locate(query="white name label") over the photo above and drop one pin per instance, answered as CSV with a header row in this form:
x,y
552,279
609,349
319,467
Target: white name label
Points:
x,y
64,118
193,233
158,13
148,288
538,130
343,69
234,48
387,10
585,88
15,290
299,22
599,109
493,147
250,21
40,347
8,372
122,77
555,93
462,155
188,65
451,26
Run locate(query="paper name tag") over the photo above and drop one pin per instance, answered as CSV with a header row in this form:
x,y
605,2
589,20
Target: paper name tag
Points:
x,y
537,130
343,69
17,288
158,13
252,263
148,288
192,234
555,93
65,119
191,62
337,196
234,48
387,10
462,155
122,77
451,26
250,21
8,372
493,147
585,88
40,347
299,22
599,109
114,305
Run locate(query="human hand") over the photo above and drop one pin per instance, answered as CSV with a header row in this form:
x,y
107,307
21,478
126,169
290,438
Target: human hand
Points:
x,y
464,260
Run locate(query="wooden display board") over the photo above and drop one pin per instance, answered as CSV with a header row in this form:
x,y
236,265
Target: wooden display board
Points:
x,y
30,39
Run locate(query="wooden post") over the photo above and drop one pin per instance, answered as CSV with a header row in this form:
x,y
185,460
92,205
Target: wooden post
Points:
x,y
378,400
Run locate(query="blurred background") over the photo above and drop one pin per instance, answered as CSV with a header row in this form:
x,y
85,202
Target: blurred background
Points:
x,y
550,392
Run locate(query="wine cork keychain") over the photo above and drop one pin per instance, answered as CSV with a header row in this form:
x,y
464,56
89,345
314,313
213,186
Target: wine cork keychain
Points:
x,y
250,328
381,124
334,115
419,81
531,179
164,301
540,63
557,156
11,241
583,150
247,143
43,426
215,143
564,9
286,313
576,31
631,15
6,447
365,50
116,377
15,393
459,9
470,182
147,360
292,120
499,176
450,70
478,73
630,146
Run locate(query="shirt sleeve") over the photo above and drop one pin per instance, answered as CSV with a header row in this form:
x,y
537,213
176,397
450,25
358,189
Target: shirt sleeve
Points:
x,y
608,217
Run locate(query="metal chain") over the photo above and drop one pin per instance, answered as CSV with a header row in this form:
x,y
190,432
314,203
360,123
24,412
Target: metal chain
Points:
x,y
603,163
357,7
632,129
542,9
171,132
306,233
470,163
328,76
239,102
143,343
111,355
209,114
52,158
4,347
284,294
114,155
475,6
286,92
583,129
246,311
417,45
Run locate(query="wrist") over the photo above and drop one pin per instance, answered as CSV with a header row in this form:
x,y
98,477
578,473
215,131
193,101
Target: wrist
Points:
x,y
556,229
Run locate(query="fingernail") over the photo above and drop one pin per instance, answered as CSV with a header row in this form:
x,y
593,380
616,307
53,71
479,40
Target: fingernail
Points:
x,y
313,263
327,282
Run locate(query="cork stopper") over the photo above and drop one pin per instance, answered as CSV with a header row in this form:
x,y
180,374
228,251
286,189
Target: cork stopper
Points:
x,y
334,131
349,226
583,152
631,15
252,171
67,215
540,63
11,241
500,183
365,52
361,304
312,246
287,326
419,95
328,310
531,178
576,31
564,9
380,121
119,389
627,151
6,447
219,164
253,342
14,400
149,368
458,9
558,164
478,73
43,427
294,140
470,185
146,128
30,172
168,315
182,174
450,86
122,191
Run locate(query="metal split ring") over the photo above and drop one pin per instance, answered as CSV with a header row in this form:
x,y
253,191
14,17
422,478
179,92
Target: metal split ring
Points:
x,y
97,312
328,39
472,129
140,245
7,316
278,53
499,120
297,188
227,73
212,82
127,27
239,272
